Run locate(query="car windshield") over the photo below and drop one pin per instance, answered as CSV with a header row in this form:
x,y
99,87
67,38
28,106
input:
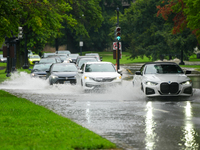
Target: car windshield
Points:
x,y
163,69
42,67
34,56
82,61
64,68
63,57
49,60
48,54
73,56
63,52
99,68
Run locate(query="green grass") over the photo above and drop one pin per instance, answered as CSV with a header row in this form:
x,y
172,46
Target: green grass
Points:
x,y
24,125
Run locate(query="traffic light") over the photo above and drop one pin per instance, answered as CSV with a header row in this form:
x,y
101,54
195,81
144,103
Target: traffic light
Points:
x,y
20,34
118,33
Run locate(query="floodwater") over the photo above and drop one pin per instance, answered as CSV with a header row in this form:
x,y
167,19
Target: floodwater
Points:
x,y
121,114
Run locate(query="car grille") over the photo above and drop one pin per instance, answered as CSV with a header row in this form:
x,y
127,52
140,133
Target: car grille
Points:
x,y
103,79
167,88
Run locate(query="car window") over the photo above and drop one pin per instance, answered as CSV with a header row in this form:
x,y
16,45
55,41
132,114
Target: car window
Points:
x,y
49,60
58,60
163,69
99,68
64,68
82,61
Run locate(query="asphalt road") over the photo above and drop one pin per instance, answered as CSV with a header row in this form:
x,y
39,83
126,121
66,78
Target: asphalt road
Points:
x,y
121,114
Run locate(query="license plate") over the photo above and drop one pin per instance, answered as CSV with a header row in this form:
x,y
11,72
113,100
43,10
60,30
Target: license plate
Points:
x,y
66,82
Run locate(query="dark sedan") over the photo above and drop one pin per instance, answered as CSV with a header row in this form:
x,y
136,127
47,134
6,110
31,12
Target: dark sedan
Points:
x,y
62,73
39,70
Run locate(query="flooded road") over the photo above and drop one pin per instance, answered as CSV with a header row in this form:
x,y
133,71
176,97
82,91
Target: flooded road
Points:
x,y
121,114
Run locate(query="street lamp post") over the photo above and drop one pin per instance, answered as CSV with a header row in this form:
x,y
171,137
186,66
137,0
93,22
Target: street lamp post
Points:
x,y
8,57
81,40
25,66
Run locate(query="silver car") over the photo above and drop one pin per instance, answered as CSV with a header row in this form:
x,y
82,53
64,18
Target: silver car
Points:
x,y
163,79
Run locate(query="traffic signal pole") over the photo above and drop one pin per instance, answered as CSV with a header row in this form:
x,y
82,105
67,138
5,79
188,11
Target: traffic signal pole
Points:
x,y
117,52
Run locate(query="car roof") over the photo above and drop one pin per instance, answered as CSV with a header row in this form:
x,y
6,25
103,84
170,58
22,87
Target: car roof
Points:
x,y
98,62
160,63
64,64
86,56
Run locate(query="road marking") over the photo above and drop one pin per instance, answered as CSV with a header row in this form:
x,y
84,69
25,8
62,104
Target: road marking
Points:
x,y
129,71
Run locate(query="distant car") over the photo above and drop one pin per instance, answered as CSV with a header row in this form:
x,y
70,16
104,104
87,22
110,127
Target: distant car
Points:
x,y
49,60
32,59
55,56
163,79
39,70
80,57
63,52
62,73
47,54
84,60
95,75
94,54
3,59
73,57
63,57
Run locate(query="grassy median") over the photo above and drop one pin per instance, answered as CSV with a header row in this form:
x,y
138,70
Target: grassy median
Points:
x,y
24,125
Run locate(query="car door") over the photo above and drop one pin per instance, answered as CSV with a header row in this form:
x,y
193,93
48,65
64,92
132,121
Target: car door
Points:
x,y
137,78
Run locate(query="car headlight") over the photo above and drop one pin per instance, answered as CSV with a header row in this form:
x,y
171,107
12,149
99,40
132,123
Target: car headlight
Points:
x,y
33,74
54,77
187,82
85,77
150,83
118,78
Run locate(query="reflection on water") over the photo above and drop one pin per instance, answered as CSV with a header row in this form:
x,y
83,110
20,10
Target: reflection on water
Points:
x,y
188,131
150,127
87,113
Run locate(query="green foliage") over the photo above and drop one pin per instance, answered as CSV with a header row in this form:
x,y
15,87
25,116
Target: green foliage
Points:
x,y
145,34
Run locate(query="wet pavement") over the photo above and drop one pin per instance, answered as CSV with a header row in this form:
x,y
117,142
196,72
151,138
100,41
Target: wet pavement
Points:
x,y
121,114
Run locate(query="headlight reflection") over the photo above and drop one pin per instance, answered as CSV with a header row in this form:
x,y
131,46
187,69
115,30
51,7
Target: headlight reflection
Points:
x,y
149,130
87,113
188,131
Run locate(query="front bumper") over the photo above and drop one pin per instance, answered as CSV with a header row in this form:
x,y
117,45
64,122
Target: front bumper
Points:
x,y
63,81
182,90
100,85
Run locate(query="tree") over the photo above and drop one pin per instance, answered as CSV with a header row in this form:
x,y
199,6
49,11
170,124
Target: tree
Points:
x,y
185,15
146,34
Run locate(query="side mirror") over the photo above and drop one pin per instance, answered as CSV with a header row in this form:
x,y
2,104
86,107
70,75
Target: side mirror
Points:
x,y
47,71
80,71
138,73
188,72
119,71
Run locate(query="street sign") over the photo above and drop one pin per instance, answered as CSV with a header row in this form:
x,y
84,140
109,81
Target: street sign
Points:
x,y
81,43
115,46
